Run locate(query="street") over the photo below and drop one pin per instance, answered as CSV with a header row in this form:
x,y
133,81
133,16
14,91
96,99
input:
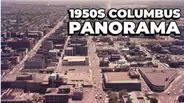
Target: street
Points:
x,y
97,76
32,52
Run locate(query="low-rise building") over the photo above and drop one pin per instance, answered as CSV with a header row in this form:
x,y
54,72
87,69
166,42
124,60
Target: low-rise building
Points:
x,y
117,81
137,97
158,80
104,62
35,34
114,57
75,61
18,96
53,95
78,92
53,53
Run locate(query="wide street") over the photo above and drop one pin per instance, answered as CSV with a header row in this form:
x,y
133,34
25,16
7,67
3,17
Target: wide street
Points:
x,y
96,72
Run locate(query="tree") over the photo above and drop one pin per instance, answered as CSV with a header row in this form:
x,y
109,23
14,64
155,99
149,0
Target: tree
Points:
x,y
122,92
109,92
113,98
153,100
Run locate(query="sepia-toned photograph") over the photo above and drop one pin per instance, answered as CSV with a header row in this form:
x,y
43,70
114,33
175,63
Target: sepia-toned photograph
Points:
x,y
92,51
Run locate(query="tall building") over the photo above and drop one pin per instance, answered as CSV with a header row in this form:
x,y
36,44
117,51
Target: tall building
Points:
x,y
53,95
35,62
78,92
16,43
47,45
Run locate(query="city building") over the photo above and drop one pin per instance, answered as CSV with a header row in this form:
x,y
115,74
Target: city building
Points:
x,y
53,95
158,80
6,64
104,62
79,49
69,51
53,53
36,62
18,96
35,34
73,78
117,81
114,57
78,92
47,44
57,40
59,46
27,82
137,97
78,40
75,61
16,43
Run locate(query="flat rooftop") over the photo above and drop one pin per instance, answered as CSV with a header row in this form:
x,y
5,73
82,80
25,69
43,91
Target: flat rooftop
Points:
x,y
119,77
36,77
77,78
138,97
17,95
69,48
159,77
74,58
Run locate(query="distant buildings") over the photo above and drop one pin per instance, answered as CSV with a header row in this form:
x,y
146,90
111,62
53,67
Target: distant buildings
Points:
x,y
117,81
35,34
16,43
104,62
47,44
114,57
6,64
11,57
54,53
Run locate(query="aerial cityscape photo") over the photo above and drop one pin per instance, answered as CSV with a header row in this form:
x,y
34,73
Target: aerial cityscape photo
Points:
x,y
51,54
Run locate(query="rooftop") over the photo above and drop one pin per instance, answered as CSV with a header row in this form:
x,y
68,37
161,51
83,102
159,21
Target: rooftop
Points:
x,y
17,95
35,77
159,77
74,58
119,77
77,78
138,97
